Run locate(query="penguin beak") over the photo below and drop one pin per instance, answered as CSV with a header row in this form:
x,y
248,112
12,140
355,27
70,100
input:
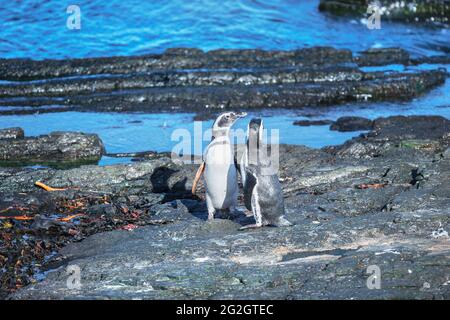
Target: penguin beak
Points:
x,y
241,115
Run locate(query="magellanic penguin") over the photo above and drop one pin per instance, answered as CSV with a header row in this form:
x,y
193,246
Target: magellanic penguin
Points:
x,y
220,174
262,189
255,130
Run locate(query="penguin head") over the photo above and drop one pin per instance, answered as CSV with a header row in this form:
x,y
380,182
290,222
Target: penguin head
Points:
x,y
227,119
255,130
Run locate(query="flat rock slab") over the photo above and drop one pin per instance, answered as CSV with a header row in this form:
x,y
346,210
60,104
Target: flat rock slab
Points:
x,y
160,175
54,147
411,127
344,124
406,132
195,259
190,79
11,133
307,123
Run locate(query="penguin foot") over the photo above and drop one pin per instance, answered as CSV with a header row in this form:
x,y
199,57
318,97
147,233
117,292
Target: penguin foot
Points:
x,y
248,213
250,226
238,212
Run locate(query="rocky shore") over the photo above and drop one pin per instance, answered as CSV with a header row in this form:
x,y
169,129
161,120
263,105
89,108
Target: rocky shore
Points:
x,y
193,80
380,199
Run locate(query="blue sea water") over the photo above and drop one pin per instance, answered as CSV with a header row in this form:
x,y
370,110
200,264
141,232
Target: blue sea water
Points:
x,y
37,28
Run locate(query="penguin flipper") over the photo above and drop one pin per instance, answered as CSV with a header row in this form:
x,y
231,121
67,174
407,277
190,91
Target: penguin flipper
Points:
x,y
250,183
198,175
237,165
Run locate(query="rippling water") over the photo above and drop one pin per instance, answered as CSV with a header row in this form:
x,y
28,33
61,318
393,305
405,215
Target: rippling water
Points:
x,y
37,28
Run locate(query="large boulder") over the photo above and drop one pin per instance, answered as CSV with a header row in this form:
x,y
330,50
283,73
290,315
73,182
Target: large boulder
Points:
x,y
55,147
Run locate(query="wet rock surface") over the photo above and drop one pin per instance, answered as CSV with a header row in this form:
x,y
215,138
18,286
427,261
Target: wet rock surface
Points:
x,y
428,12
351,211
342,124
407,132
54,148
383,56
307,123
204,82
345,124
11,133
416,127
35,224
171,59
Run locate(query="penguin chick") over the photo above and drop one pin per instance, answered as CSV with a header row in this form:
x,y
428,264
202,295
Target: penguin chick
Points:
x,y
262,190
266,198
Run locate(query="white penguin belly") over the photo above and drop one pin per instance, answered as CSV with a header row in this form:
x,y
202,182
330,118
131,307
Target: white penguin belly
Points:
x,y
220,175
